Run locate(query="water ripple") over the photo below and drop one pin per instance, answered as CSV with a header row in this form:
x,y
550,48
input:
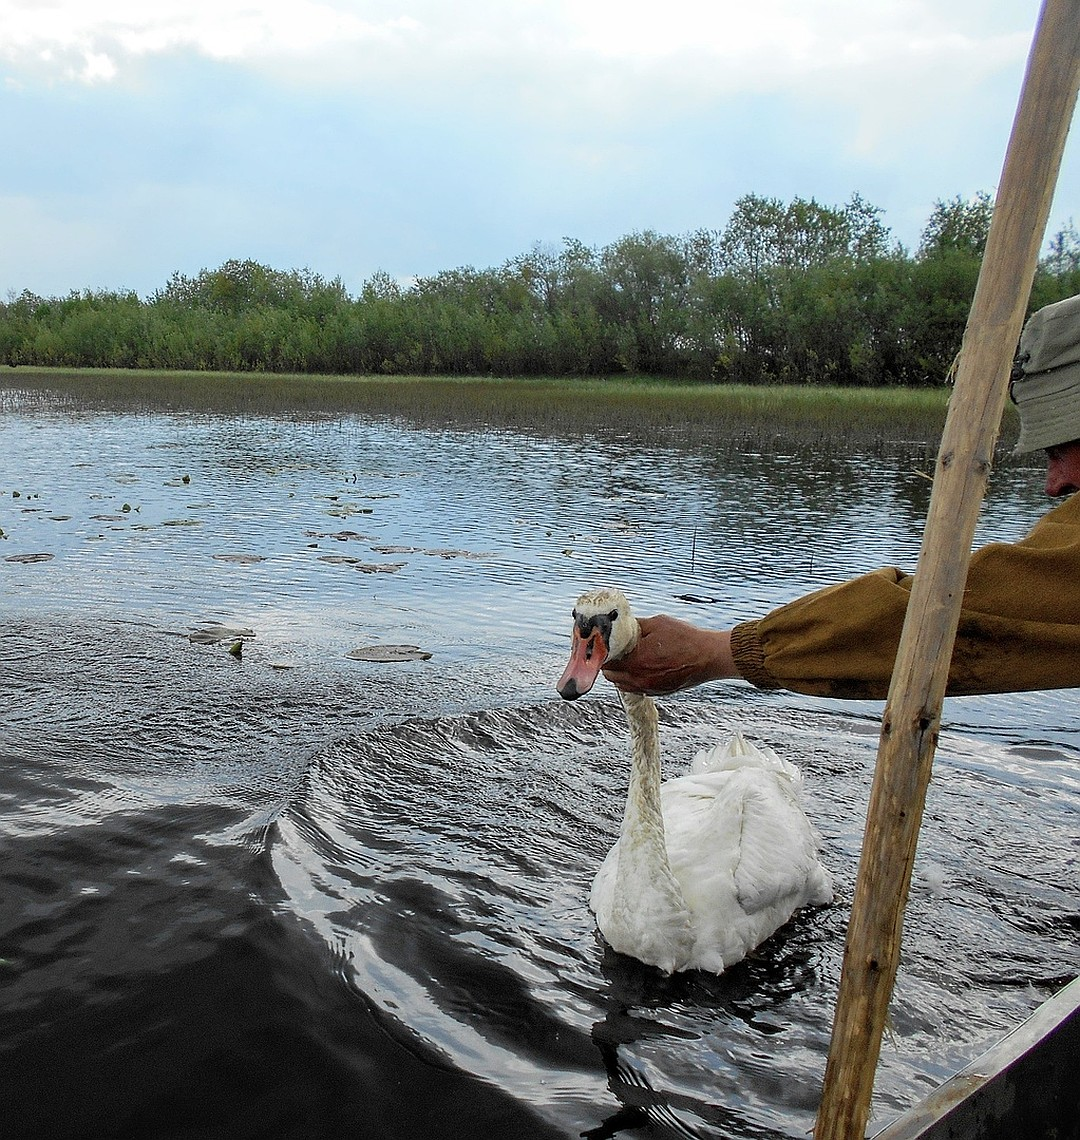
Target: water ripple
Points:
x,y
338,897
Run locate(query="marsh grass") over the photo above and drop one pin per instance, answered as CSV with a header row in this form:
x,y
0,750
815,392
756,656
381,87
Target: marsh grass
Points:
x,y
858,419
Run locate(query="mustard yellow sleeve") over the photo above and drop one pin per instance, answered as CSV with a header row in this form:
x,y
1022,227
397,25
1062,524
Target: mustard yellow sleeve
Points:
x,y
1019,626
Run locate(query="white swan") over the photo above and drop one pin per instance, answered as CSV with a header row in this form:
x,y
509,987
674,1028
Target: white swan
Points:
x,y
707,865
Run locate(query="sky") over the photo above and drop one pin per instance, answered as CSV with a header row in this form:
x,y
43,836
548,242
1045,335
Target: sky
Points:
x,y
143,138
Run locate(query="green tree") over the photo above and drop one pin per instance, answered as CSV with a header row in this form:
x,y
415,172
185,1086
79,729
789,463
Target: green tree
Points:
x,y
957,226
1058,275
764,233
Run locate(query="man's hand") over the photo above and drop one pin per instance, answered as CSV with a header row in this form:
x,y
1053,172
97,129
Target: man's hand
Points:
x,y
673,655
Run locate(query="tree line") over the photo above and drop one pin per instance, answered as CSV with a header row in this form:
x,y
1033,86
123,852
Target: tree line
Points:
x,y
792,292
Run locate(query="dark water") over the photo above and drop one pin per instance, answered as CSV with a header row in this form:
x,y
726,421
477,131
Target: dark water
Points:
x,y
292,894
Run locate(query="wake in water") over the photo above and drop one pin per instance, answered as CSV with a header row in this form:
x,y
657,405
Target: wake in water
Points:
x,y
447,864
215,922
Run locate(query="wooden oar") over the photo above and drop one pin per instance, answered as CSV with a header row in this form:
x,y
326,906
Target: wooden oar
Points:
x,y
912,715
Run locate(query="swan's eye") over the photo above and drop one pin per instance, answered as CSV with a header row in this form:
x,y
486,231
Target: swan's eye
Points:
x,y
613,616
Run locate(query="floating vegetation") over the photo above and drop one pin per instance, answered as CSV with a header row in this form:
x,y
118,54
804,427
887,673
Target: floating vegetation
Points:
x,y
347,510
438,552
389,654
182,522
108,518
340,535
453,554
213,634
378,567
338,558
240,559
41,557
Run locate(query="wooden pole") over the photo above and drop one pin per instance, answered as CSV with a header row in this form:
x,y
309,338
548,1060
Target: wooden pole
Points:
x,y
912,715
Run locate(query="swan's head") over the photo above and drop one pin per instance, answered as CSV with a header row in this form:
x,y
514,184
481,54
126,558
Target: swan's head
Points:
x,y
605,629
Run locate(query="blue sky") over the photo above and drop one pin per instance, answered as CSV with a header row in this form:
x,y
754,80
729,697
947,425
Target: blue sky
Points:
x,y
145,137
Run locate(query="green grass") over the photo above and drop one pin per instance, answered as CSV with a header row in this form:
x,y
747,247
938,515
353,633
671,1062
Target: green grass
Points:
x,y
759,417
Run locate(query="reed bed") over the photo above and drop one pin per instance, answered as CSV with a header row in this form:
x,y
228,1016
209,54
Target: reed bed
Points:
x,y
856,419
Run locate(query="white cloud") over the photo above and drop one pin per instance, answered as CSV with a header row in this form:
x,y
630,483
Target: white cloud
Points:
x,y
88,40
559,67
719,44
413,136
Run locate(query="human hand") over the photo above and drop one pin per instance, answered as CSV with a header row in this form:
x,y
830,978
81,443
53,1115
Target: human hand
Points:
x,y
672,655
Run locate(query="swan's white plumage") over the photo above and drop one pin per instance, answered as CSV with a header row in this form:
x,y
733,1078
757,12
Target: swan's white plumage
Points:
x,y
708,865
742,852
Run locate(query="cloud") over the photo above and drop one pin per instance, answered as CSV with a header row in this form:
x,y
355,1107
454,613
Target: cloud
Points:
x,y
40,33
348,137
718,45
574,69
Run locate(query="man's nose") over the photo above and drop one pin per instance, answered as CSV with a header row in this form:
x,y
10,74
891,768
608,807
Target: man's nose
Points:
x,y
1057,482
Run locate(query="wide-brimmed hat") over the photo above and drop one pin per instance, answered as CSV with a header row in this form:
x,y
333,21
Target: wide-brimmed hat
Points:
x,y
1045,382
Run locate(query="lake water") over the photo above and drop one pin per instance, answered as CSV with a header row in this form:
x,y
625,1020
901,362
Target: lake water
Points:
x,y
294,894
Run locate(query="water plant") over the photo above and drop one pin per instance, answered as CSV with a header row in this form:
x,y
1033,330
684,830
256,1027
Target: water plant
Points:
x,y
645,407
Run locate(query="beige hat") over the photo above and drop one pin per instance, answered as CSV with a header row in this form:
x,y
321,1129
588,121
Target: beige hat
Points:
x,y
1046,377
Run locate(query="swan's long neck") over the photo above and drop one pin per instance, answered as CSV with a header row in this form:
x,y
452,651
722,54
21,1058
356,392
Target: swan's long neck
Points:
x,y
644,868
643,815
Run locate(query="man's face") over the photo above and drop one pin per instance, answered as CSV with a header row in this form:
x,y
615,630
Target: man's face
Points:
x,y
1063,469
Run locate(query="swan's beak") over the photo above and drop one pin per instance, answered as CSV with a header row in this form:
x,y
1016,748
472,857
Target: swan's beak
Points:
x,y
588,652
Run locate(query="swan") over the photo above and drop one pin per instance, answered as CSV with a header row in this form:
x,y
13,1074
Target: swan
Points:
x,y
707,865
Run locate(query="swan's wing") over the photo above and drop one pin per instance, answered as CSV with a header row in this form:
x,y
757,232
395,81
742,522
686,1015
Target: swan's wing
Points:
x,y
702,832
778,853
742,833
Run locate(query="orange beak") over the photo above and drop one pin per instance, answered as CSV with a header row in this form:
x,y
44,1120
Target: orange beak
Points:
x,y
588,652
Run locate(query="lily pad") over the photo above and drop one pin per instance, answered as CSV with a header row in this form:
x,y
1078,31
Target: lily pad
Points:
x,y
182,522
389,654
337,559
445,553
41,557
378,567
240,559
347,510
340,535
213,634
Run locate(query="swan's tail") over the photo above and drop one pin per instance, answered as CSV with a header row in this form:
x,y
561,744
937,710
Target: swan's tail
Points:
x,y
738,752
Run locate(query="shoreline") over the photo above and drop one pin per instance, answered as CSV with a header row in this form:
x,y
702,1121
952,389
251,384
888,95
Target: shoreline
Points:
x,y
848,418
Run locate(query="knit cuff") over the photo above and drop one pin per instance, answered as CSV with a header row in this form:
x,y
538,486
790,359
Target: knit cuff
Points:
x,y
749,655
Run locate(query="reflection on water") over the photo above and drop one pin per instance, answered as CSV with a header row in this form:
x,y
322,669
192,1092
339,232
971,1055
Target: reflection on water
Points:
x,y
290,893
